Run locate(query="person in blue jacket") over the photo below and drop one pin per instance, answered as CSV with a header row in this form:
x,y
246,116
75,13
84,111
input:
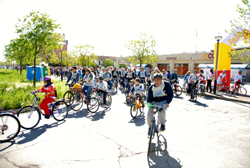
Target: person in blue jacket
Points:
x,y
74,76
160,93
142,75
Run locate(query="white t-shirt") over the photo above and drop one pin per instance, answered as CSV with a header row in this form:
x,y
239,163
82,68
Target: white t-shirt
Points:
x,y
238,77
221,77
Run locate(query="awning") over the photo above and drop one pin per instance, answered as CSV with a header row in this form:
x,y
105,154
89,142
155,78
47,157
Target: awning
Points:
x,y
143,65
233,66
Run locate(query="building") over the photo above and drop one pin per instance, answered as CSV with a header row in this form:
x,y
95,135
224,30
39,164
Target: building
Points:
x,y
100,59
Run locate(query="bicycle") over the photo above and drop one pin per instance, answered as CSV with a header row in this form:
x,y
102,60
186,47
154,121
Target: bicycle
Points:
x,y
145,87
201,89
9,126
193,91
176,88
240,91
136,105
78,98
99,96
224,89
30,116
154,127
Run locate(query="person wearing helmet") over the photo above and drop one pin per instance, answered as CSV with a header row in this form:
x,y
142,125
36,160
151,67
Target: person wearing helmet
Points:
x,y
137,90
103,88
74,76
50,95
174,77
237,80
129,76
159,93
221,78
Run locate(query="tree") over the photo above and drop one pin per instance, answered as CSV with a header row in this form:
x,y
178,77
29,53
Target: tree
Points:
x,y
84,55
19,50
142,50
239,25
107,62
39,29
122,65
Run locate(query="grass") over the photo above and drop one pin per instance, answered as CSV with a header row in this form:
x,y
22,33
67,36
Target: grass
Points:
x,y
15,89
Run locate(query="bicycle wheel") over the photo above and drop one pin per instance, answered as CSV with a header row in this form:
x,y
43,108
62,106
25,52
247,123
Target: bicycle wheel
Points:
x,y
67,96
9,127
76,102
93,93
178,90
133,111
195,95
150,137
108,101
93,105
28,117
128,99
241,91
60,110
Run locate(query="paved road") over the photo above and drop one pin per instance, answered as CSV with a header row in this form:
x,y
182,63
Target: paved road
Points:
x,y
208,133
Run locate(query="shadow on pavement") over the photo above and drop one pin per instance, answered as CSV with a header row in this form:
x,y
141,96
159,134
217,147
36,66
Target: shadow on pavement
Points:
x,y
6,145
78,114
178,97
139,120
98,115
36,132
159,157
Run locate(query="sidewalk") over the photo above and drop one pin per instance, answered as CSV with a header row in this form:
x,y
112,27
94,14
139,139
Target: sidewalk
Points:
x,y
241,99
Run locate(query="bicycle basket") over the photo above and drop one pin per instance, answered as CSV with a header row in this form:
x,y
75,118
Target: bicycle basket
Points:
x,y
76,89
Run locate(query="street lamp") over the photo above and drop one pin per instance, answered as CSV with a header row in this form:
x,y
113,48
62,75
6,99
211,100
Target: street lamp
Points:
x,y
218,38
64,42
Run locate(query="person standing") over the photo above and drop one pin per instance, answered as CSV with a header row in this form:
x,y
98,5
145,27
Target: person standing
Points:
x,y
210,78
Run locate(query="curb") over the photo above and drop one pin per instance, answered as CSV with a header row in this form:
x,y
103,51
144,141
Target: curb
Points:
x,y
228,99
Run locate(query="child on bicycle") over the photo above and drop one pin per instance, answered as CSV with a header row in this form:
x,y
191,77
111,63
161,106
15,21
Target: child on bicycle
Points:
x,y
50,95
137,89
103,87
237,81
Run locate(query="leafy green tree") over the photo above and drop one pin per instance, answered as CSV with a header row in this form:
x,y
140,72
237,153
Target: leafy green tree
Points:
x,y
240,26
19,50
107,62
142,50
84,55
39,29
122,65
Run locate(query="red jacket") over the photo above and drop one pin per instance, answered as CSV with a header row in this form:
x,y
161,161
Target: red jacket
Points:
x,y
49,91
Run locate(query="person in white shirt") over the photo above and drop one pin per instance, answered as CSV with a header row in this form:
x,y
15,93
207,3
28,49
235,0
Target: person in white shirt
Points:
x,y
220,79
103,87
237,80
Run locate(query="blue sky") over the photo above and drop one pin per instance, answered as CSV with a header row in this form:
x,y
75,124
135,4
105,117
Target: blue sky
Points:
x,y
109,25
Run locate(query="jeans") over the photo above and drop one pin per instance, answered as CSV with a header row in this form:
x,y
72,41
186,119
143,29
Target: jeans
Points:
x,y
88,89
162,115
110,84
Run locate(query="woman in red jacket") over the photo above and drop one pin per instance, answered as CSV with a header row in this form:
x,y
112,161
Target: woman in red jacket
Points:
x,y
49,91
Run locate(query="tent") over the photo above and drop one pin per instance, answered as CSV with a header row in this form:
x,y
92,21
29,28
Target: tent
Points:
x,y
233,66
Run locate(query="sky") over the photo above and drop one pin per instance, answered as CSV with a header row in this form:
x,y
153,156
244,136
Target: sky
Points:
x,y
110,24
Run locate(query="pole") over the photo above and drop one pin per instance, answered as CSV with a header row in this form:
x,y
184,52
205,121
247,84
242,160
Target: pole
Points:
x,y
215,80
61,67
88,61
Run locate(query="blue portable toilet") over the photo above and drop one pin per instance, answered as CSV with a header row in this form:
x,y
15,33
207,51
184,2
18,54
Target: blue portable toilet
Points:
x,y
39,73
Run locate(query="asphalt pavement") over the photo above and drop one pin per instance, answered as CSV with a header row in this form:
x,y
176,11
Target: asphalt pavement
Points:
x,y
208,133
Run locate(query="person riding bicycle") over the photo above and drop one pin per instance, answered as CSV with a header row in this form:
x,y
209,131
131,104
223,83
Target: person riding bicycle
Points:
x,y
122,76
201,77
142,75
185,81
193,79
108,77
115,75
89,78
164,75
237,80
74,76
174,77
103,87
137,89
50,95
159,93
220,79
129,76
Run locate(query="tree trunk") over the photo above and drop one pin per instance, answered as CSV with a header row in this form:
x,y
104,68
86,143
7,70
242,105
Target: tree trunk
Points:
x,y
20,66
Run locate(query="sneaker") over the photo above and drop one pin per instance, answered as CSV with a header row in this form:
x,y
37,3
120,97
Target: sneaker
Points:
x,y
162,127
47,116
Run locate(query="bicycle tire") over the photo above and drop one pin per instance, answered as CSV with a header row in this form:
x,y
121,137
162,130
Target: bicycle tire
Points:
x,y
108,101
60,110
241,91
93,93
75,102
93,103
128,100
11,127
67,96
25,121
132,112
150,138
178,91
195,95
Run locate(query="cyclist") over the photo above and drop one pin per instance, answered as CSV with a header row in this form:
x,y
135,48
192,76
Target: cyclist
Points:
x,y
115,75
164,75
50,95
74,76
201,77
108,77
237,80
103,87
220,79
137,89
142,75
89,78
122,76
174,77
129,76
159,93
192,79
185,81
150,79
169,74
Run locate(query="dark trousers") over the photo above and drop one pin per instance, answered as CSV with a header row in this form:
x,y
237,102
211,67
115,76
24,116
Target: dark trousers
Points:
x,y
209,85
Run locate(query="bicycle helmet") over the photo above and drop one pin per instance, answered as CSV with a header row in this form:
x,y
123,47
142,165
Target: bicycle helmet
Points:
x,y
132,81
101,78
47,79
240,71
